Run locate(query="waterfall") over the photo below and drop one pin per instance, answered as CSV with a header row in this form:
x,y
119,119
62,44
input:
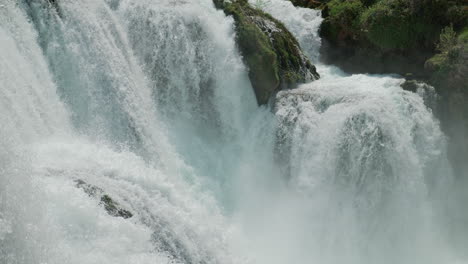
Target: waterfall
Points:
x,y
89,107
131,134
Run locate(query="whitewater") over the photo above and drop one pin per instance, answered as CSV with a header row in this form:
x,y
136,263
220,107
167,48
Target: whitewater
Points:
x,y
149,103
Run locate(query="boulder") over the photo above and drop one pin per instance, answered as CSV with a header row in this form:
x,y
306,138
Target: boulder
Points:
x,y
272,54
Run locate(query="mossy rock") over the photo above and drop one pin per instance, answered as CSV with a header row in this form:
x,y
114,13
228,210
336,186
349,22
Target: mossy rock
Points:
x,y
341,20
272,54
388,25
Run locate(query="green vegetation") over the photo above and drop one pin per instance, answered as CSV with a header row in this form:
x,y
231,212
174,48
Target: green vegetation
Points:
x,y
424,40
448,39
389,25
411,31
463,37
342,21
449,67
257,51
345,11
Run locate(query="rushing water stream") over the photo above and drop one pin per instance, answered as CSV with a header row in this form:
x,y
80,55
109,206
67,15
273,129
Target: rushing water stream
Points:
x,y
149,102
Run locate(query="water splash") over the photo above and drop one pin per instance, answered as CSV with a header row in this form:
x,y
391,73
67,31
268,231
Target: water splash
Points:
x,y
149,102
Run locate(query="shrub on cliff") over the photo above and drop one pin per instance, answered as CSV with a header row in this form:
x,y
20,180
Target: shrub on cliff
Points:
x,y
393,24
385,36
449,67
342,20
389,25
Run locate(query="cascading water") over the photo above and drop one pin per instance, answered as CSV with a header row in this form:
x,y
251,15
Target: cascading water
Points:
x,y
148,102
110,139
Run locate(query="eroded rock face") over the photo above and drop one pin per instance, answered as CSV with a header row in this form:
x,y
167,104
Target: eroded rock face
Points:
x,y
112,207
272,54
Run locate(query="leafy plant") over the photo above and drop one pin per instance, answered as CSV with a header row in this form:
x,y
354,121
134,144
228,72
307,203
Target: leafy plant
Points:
x,y
448,39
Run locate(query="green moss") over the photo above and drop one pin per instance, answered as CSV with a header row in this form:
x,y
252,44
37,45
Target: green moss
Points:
x,y
463,37
389,25
257,51
344,10
270,51
342,20
368,2
437,62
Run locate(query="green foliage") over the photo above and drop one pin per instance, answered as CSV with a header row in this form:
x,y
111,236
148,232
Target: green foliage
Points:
x,y
368,2
457,15
389,24
463,37
342,20
436,62
345,12
448,39
449,67
256,49
392,24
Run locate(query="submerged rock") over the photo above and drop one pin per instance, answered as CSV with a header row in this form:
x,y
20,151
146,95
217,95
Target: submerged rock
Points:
x,y
112,207
272,54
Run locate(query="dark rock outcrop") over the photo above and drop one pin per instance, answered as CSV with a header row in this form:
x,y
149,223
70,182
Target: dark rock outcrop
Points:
x,y
309,3
112,207
272,54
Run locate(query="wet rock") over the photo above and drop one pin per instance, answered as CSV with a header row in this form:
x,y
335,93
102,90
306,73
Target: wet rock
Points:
x,y
272,54
112,207
411,86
